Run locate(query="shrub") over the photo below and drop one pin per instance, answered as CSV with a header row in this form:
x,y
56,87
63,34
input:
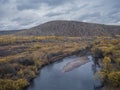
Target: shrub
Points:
x,y
114,78
8,84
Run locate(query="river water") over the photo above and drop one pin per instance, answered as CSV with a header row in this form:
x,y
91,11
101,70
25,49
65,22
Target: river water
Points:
x,y
52,77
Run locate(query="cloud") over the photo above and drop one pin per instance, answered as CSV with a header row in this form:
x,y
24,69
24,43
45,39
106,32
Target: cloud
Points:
x,y
17,14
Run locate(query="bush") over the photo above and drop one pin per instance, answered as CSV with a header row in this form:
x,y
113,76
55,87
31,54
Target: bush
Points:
x,y
114,78
106,63
7,84
7,69
26,61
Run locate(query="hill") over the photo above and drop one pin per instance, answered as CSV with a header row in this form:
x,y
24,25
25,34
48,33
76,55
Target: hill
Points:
x,y
71,28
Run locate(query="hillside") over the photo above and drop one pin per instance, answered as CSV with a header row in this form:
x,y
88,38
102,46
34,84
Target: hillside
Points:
x,y
68,28
72,28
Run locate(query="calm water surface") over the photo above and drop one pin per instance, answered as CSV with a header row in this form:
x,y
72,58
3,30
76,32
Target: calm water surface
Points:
x,y
52,77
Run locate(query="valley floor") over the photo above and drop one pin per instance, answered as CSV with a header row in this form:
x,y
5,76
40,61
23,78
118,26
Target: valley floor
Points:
x,y
22,57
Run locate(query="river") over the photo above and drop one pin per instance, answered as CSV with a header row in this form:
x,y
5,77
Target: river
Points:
x,y
52,77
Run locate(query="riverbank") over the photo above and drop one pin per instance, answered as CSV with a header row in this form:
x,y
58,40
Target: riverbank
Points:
x,y
83,60
107,52
21,58
52,78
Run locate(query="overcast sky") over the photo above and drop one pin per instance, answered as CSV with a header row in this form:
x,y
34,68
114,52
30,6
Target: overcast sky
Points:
x,y
18,14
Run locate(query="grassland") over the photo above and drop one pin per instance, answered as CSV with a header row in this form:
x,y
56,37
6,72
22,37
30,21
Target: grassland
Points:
x,y
22,57
106,51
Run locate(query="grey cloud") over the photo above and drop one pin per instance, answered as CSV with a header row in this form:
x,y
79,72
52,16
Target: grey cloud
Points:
x,y
35,4
4,1
53,14
18,14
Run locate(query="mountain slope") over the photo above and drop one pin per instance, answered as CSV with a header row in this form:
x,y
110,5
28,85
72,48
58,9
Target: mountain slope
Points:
x,y
71,28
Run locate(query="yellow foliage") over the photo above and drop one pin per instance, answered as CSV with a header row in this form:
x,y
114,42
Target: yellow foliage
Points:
x,y
114,78
8,84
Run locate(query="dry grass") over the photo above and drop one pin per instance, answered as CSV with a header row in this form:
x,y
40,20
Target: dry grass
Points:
x,y
21,57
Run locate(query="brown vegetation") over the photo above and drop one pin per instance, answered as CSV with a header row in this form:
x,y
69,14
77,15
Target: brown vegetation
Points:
x,y
22,57
108,50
